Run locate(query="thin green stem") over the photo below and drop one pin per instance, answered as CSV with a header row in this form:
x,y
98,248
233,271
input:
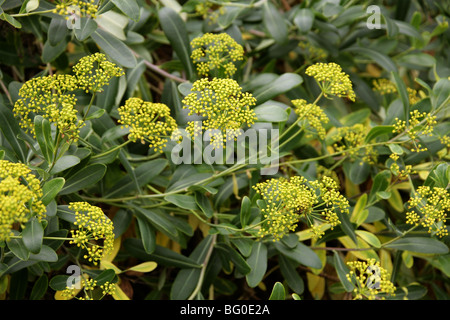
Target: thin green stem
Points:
x,y
17,15
111,150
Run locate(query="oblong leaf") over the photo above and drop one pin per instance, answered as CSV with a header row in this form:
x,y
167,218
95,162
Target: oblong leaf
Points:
x,y
32,235
84,178
114,48
51,189
419,244
175,30
258,264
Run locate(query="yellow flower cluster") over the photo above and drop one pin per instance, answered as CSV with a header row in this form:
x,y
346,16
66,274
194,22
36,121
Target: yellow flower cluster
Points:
x,y
20,197
370,280
216,52
53,97
311,52
429,208
420,123
288,200
93,225
313,115
224,106
386,86
49,96
332,80
350,140
95,71
147,121
77,7
89,285
206,10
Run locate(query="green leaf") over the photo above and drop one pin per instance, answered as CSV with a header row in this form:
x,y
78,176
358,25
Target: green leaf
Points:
x,y
377,132
419,244
381,59
159,221
10,130
11,20
278,292
243,245
274,22
51,189
147,233
290,274
229,16
43,132
87,27
204,204
300,254
342,270
241,265
441,93
183,201
258,264
59,282
50,53
161,255
129,7
282,84
380,183
84,178
245,213
39,288
270,113
175,30
57,30
46,254
114,48
417,60
187,279
64,163
304,20
18,248
104,276
144,175
359,171
401,88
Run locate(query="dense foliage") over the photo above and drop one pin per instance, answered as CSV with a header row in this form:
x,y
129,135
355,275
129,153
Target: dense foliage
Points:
x,y
220,149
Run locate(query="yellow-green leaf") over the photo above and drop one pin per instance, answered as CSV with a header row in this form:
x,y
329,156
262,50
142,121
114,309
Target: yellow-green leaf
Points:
x,y
144,267
361,254
368,237
105,264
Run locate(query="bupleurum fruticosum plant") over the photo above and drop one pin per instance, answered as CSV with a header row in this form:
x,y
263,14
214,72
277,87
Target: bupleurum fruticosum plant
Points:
x,y
371,281
148,121
224,107
216,54
53,96
429,207
94,233
289,200
20,197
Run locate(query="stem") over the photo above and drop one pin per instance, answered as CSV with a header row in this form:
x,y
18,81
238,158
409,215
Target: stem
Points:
x,y
89,106
111,150
17,15
159,70
203,271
